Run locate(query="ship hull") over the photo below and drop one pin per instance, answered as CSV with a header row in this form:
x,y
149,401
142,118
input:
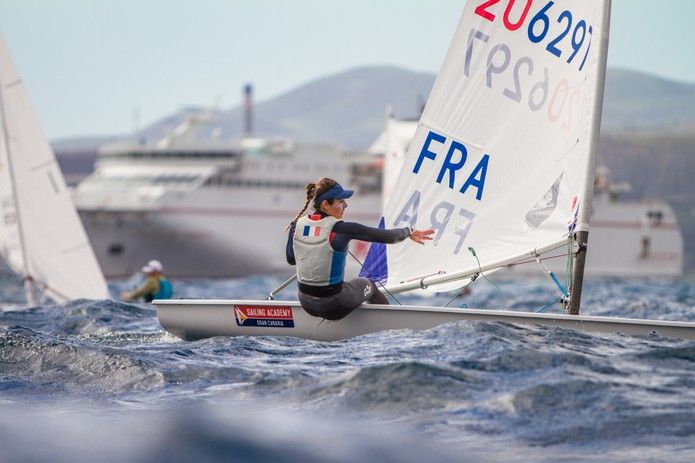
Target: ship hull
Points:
x,y
237,240
239,237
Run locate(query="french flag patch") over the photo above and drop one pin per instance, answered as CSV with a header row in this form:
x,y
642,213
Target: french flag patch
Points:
x,y
310,230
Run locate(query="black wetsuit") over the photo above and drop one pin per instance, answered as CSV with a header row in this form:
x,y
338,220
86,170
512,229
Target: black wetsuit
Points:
x,y
334,302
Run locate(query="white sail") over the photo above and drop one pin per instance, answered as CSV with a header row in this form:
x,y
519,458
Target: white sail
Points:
x,y
502,152
10,247
41,236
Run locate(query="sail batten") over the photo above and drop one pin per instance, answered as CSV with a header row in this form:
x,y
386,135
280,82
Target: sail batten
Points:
x,y
501,157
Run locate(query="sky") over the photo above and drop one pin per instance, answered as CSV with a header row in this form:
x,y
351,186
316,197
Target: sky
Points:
x,y
101,67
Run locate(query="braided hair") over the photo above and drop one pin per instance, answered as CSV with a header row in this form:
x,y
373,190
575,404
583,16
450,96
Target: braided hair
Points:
x,y
314,192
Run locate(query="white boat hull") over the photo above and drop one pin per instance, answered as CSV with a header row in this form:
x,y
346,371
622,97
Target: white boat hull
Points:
x,y
196,319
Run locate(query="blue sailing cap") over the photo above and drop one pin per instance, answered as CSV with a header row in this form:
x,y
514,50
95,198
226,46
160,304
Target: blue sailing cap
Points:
x,y
337,192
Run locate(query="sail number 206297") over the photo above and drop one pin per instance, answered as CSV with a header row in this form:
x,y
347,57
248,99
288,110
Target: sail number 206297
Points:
x,y
539,27
563,96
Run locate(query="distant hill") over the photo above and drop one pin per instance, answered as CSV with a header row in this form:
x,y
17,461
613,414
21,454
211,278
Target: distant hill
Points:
x,y
348,108
637,101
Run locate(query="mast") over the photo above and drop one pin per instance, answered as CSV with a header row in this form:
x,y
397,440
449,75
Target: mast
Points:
x,y
28,287
581,235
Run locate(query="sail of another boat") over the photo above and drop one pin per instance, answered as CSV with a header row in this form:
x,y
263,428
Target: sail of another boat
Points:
x,y
502,162
41,236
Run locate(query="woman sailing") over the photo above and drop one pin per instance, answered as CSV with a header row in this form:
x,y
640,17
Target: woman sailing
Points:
x,y
318,244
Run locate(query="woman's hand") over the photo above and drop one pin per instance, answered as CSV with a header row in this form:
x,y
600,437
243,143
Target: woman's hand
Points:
x,y
420,236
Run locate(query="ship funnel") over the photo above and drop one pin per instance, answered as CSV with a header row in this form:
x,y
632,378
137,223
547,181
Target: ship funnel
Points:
x,y
248,110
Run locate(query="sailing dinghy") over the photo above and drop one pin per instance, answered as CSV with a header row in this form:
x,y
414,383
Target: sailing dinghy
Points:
x,y
502,168
41,236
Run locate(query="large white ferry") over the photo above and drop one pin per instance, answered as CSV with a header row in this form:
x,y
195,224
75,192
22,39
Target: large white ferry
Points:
x,y
212,211
220,210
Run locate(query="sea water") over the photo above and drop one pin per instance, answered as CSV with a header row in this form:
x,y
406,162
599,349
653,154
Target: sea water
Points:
x,y
102,381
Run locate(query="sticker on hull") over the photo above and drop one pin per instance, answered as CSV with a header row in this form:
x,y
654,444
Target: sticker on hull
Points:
x,y
265,316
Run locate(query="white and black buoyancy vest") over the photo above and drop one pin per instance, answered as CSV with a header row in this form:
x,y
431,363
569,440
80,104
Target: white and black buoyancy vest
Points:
x,y
318,264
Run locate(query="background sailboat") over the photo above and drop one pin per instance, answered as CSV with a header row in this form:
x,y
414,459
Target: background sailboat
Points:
x,y
501,167
41,236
